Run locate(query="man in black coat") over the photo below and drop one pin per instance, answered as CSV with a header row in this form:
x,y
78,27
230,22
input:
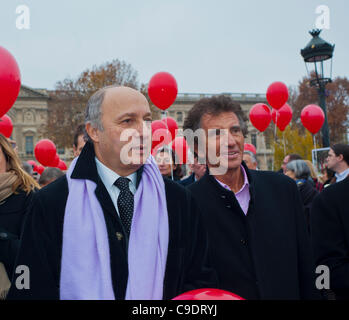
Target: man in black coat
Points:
x,y
258,242
109,112
330,235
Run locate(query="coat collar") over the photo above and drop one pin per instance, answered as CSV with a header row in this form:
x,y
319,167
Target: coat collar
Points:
x,y
210,179
86,167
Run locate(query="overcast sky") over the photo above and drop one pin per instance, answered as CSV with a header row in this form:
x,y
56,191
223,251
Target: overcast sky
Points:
x,y
209,46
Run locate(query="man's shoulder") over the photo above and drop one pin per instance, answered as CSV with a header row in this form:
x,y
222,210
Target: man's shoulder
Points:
x,y
174,189
271,176
55,191
339,189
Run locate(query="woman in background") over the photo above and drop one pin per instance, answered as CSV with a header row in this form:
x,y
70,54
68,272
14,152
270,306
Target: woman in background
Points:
x,y
166,160
299,171
16,190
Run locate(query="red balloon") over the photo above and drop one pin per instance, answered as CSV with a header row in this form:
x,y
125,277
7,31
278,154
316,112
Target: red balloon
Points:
x,y
62,165
162,90
277,94
45,152
282,117
39,169
250,147
171,125
10,81
312,118
33,164
208,294
180,147
6,126
55,162
260,116
157,138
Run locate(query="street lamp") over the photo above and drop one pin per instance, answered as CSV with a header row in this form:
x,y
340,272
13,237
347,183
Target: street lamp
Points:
x,y
316,52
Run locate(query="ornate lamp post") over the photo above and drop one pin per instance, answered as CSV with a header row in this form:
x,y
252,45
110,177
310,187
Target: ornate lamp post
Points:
x,y
316,52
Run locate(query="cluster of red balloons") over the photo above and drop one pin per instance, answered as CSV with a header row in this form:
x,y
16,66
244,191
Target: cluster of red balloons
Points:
x,y
312,115
208,294
46,154
162,90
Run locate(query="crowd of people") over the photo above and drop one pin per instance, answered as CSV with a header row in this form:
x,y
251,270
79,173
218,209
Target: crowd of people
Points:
x,y
110,229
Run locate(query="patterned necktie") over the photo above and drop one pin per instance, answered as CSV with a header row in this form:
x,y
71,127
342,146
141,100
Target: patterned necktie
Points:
x,y
125,202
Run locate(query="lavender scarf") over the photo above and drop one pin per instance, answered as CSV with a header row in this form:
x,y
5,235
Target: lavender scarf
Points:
x,y
85,270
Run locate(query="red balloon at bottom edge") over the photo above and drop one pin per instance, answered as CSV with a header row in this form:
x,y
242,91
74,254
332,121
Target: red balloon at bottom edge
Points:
x,y
208,294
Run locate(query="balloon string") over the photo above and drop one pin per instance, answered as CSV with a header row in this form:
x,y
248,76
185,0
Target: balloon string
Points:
x,y
283,134
315,155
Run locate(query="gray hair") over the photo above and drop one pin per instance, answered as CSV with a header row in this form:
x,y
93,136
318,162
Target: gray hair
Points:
x,y
27,168
50,174
300,169
93,112
251,154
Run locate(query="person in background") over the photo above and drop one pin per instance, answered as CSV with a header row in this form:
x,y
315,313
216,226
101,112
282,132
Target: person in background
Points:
x,y
299,171
79,140
287,159
166,160
313,176
338,161
198,171
250,160
330,235
16,191
327,176
27,168
49,175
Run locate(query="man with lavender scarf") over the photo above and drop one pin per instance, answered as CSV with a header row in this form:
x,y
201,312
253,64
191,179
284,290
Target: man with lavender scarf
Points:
x,y
113,228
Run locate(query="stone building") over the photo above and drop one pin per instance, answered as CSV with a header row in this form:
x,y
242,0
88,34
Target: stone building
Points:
x,y
30,112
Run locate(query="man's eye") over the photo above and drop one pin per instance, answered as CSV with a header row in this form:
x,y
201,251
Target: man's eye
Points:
x,y
126,121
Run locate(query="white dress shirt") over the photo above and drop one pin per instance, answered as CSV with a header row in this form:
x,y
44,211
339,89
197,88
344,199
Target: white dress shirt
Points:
x,y
341,176
108,178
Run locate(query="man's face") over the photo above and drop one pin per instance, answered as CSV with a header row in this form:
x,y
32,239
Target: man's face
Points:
x,y
333,160
125,141
284,163
81,143
248,160
224,127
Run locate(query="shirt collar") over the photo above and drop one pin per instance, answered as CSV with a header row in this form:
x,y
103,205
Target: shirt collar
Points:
x,y
341,176
246,182
109,176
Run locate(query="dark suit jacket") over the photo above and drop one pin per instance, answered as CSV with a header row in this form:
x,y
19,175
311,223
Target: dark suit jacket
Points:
x,y
41,245
330,234
188,181
265,254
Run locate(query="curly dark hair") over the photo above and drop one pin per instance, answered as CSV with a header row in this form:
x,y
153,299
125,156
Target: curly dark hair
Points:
x,y
214,106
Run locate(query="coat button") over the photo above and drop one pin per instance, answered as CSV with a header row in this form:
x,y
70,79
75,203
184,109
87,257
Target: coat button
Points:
x,y
3,235
228,206
119,236
223,196
243,241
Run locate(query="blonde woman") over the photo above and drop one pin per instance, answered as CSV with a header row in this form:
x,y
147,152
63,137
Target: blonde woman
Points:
x,y
16,190
317,184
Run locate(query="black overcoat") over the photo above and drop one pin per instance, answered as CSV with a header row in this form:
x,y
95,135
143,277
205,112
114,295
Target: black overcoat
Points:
x,y
265,254
12,214
330,234
41,244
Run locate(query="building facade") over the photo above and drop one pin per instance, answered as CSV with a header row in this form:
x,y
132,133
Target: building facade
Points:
x,y
30,113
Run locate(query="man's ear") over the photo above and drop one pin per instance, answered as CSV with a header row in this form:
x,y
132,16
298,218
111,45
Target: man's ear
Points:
x,y
340,157
92,132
